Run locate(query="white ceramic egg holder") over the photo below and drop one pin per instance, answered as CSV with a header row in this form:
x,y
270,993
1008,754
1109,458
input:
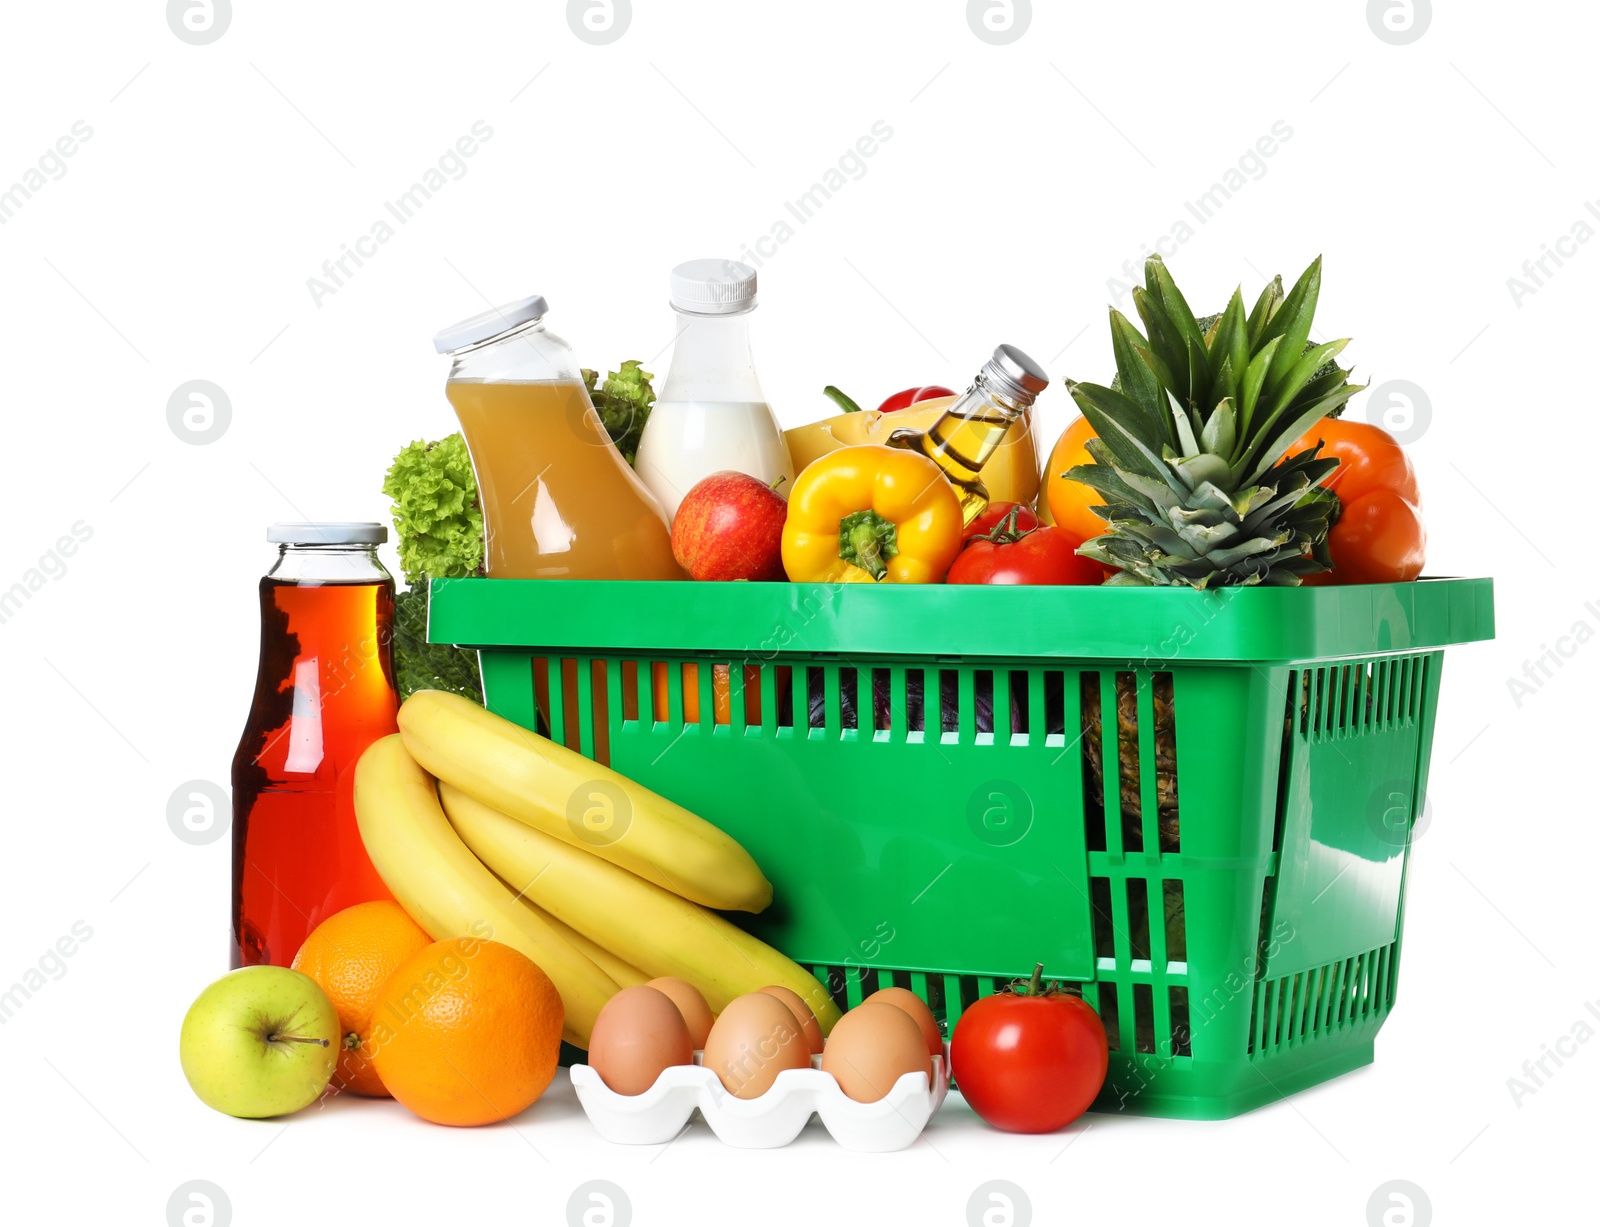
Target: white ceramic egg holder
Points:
x,y
773,1119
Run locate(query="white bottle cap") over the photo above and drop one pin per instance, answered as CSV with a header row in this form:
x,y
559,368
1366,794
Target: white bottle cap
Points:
x,y
490,323
713,287
329,532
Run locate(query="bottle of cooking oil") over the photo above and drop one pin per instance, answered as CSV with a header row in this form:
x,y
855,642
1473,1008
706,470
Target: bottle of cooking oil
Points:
x,y
964,438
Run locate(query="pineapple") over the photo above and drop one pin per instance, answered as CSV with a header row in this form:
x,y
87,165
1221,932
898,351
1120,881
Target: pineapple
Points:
x,y
1192,435
1126,754
1190,458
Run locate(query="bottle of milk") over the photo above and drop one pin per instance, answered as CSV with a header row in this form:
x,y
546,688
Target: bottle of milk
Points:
x,y
710,414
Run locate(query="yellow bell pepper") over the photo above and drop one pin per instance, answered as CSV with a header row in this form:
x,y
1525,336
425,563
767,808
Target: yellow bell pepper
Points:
x,y
871,514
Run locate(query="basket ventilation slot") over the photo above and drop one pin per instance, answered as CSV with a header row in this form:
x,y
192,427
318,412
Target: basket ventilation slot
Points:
x,y
1129,744
1361,696
1296,1008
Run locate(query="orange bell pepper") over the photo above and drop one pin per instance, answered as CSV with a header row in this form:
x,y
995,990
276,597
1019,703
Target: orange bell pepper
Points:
x,y
1068,502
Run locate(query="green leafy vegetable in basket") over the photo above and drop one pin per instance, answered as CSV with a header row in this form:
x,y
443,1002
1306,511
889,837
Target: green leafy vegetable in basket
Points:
x,y
623,402
439,523
420,665
436,511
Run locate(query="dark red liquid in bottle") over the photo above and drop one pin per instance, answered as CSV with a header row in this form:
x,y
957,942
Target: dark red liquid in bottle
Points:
x,y
325,691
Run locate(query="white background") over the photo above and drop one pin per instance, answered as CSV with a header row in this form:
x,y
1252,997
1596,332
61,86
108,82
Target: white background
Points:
x,y
178,243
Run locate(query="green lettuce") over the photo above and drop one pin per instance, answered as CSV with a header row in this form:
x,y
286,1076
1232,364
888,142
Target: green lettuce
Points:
x,y
623,402
436,512
420,665
439,525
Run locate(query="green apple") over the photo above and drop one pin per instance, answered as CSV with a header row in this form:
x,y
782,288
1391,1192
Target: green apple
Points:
x,y
261,1041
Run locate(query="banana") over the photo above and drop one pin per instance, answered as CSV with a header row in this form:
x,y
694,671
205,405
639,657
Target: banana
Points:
x,y
623,973
651,928
579,801
447,890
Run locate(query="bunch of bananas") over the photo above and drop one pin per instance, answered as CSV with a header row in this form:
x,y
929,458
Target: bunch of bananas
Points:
x,y
481,828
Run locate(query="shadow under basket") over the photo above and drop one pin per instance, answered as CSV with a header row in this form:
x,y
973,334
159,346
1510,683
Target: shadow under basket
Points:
x,y
1195,809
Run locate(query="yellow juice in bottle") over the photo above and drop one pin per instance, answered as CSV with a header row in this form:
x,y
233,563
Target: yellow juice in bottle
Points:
x,y
559,501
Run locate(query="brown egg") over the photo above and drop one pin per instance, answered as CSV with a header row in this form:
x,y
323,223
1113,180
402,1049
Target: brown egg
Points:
x,y
753,1041
801,1011
691,1004
873,1047
638,1033
905,999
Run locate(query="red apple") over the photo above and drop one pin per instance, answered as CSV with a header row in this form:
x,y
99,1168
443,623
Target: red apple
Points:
x,y
730,526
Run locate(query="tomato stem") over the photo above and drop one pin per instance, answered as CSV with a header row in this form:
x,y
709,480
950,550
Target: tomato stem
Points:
x,y
1035,986
1006,531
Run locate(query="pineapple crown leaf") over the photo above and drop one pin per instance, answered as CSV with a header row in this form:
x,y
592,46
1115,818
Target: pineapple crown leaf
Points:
x,y
1292,322
1180,419
1122,426
1272,449
1138,376
1261,314
1165,342
1220,433
1159,282
1128,487
1310,362
1232,337
1255,378
1203,468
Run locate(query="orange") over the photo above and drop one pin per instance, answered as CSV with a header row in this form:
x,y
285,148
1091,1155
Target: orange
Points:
x,y
1069,501
351,955
721,693
467,1032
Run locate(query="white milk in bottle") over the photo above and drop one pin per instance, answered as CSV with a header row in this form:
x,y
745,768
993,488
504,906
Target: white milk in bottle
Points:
x,y
711,414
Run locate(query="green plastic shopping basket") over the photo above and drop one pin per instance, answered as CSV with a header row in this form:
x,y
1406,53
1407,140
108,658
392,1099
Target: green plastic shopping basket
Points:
x,y
1195,807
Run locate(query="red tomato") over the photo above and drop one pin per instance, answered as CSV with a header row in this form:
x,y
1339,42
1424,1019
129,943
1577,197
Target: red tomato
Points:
x,y
1030,1060
997,512
1379,539
1041,555
1369,459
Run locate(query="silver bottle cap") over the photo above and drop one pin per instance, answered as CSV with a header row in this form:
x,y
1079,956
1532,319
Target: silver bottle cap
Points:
x,y
1017,373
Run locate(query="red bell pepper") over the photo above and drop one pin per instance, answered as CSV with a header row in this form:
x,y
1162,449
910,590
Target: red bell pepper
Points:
x,y
911,396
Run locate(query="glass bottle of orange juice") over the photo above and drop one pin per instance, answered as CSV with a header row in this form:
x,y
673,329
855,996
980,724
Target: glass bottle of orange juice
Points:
x,y
559,501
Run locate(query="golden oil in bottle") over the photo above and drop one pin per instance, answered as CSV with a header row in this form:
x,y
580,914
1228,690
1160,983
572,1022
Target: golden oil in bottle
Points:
x,y
970,430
